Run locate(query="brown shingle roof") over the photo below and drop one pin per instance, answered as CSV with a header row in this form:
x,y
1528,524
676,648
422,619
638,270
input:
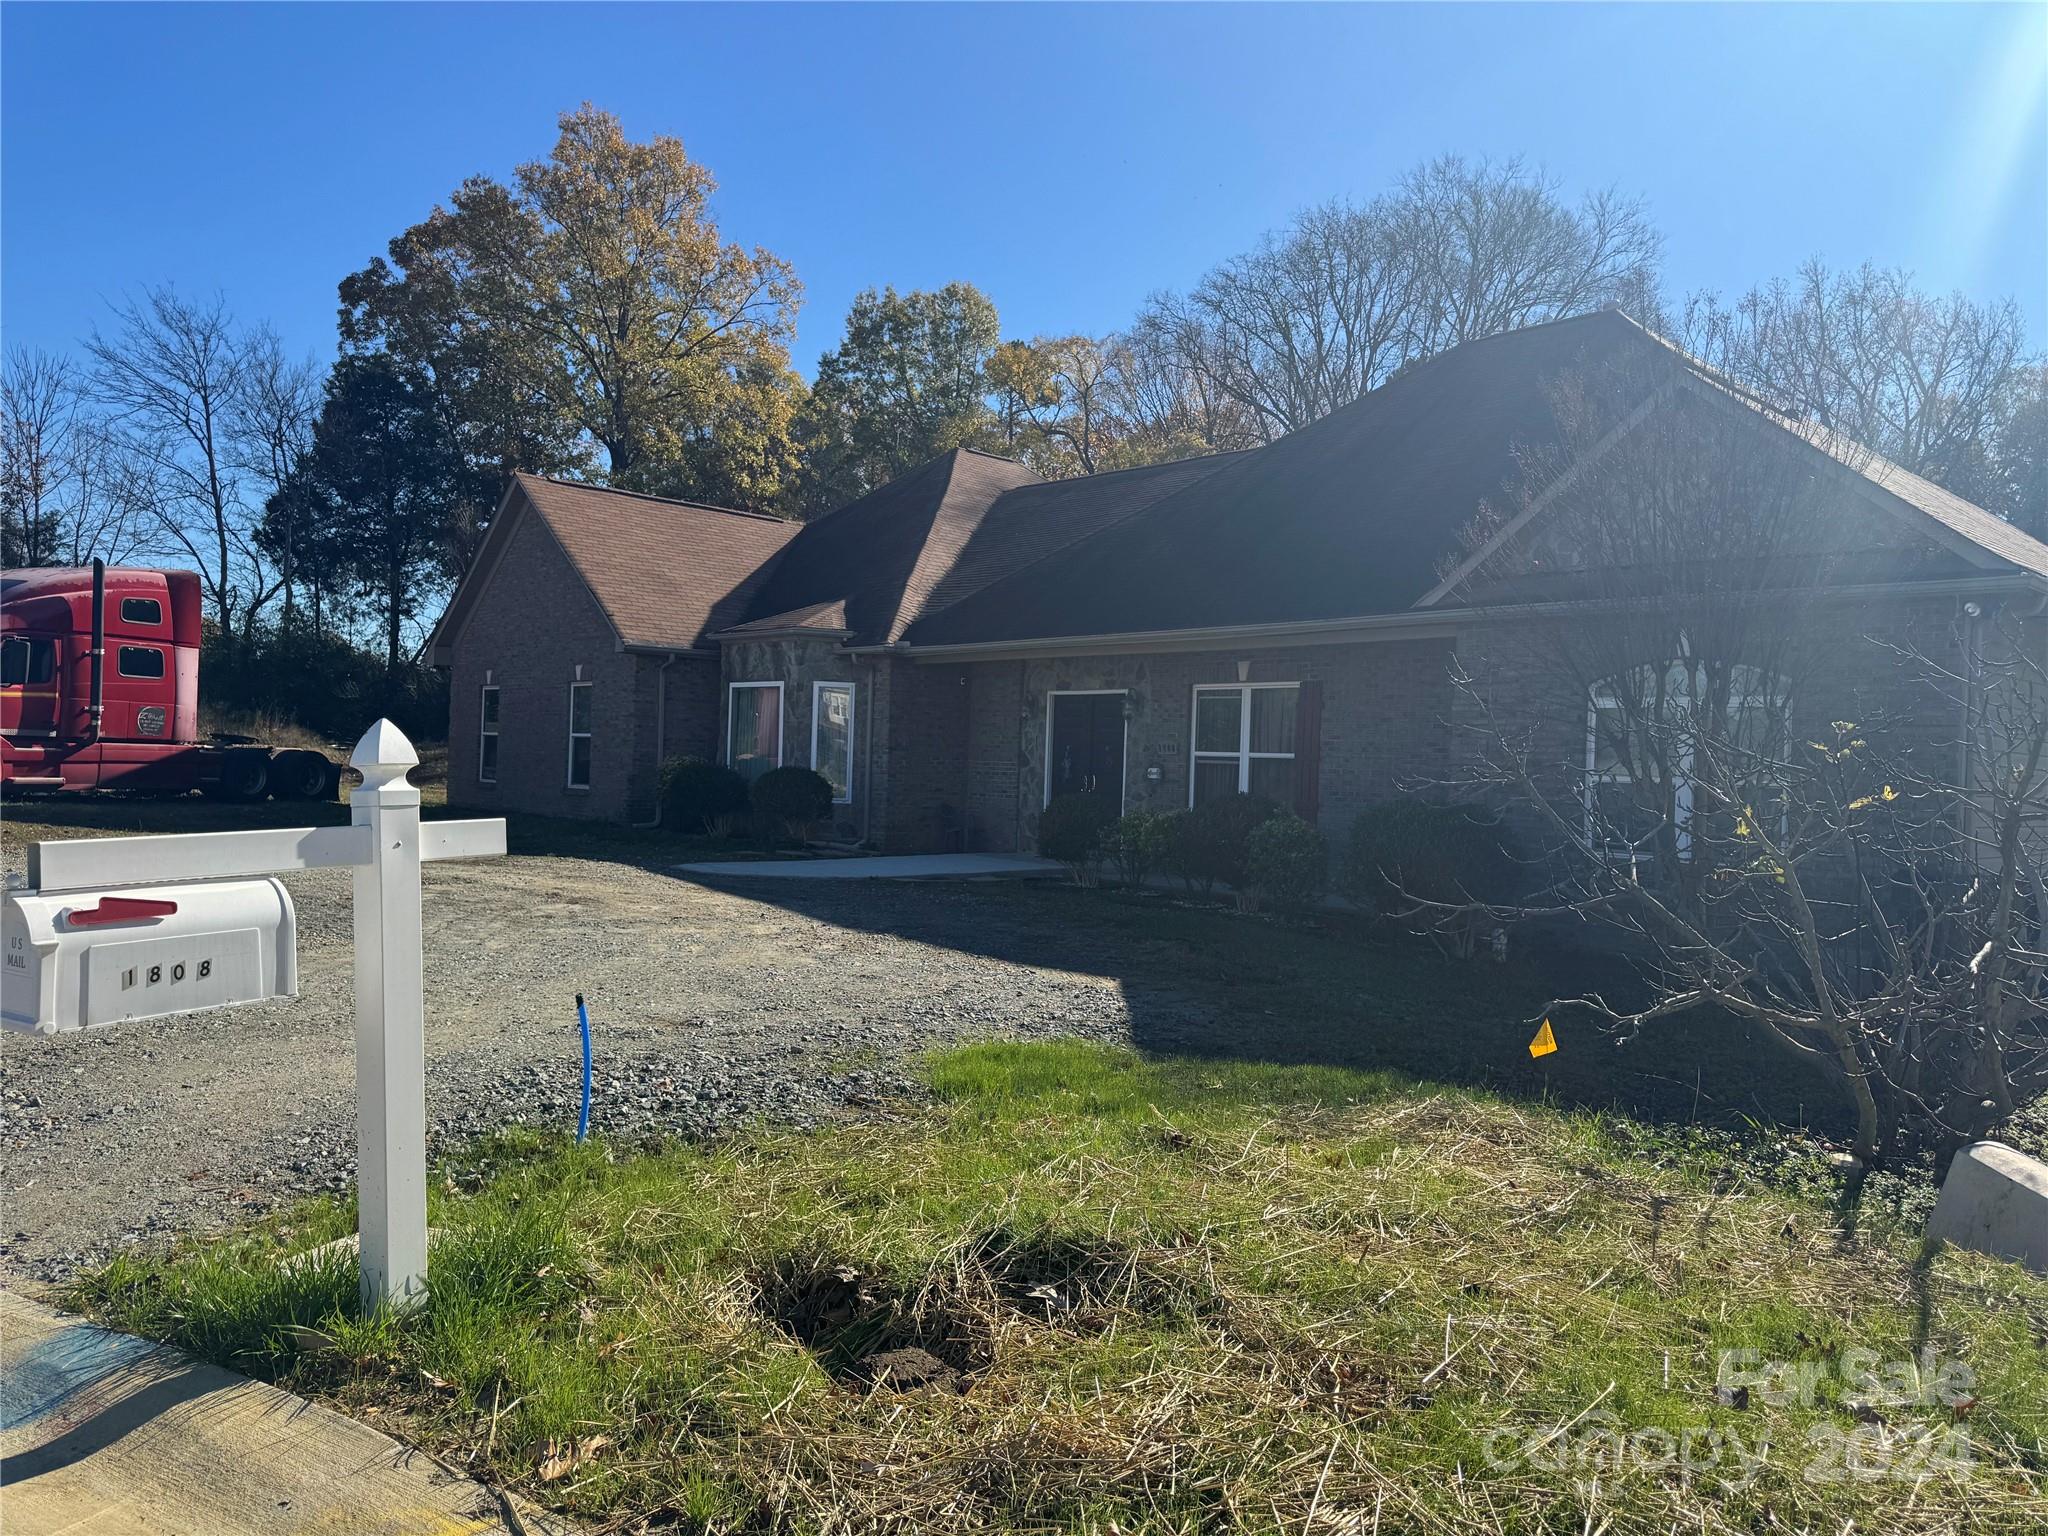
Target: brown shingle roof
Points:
x,y
823,618
667,573
1347,516
882,555
1350,516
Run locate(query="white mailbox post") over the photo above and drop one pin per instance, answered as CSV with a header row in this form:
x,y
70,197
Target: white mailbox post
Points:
x,y
118,928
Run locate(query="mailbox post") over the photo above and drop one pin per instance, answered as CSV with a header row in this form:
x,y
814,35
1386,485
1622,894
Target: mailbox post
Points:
x,y
391,1044
87,895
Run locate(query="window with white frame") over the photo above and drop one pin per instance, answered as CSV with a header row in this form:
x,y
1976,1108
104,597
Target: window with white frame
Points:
x,y
579,735
1642,743
832,737
753,736
1244,742
487,734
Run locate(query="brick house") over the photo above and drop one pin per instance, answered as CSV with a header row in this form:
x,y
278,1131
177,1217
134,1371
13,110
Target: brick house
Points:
x,y
968,641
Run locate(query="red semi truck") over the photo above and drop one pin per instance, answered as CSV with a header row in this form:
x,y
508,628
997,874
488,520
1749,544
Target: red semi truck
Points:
x,y
99,689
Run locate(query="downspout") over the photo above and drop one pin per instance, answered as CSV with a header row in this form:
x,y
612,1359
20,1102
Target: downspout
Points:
x,y
1023,752
867,777
660,733
966,755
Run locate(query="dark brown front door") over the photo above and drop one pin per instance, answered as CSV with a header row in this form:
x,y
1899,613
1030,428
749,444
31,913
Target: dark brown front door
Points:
x,y
1087,745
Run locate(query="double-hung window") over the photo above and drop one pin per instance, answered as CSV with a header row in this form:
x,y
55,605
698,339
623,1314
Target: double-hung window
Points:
x,y
1244,742
487,735
579,735
753,737
832,737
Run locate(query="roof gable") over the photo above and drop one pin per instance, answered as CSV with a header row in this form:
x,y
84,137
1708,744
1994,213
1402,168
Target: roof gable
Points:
x,y
882,556
666,573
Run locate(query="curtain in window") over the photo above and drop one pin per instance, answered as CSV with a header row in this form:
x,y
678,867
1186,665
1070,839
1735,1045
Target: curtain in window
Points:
x,y
756,731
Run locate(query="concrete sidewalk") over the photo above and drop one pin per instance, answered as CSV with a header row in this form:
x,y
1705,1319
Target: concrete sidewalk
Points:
x,y
102,1434
916,866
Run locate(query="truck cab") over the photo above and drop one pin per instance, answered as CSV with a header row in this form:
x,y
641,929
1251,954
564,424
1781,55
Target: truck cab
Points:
x,y
149,678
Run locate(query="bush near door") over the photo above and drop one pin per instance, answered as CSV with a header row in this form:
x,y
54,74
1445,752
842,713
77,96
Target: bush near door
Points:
x,y
695,794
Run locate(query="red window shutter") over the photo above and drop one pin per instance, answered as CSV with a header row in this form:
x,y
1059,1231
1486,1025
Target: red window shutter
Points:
x,y
1308,750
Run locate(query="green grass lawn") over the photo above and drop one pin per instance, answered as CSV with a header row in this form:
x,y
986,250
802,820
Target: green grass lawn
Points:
x,y
1085,1291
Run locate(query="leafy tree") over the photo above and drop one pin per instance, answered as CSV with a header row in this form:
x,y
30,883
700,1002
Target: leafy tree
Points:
x,y
369,503
909,381
437,311
594,302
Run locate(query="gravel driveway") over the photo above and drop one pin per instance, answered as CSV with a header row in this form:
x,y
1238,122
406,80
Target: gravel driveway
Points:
x,y
711,1007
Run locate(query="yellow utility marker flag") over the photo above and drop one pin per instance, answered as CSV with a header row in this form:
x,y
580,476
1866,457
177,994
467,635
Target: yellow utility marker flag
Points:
x,y
1544,1043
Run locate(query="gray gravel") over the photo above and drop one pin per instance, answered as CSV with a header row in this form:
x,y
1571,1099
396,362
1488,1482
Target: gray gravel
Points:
x,y
711,1008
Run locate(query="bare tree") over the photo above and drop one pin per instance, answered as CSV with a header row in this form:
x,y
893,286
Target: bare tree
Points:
x,y
1168,388
1933,384
1309,321
1489,248
1813,816
70,489
175,377
271,431
1334,304
38,411
112,496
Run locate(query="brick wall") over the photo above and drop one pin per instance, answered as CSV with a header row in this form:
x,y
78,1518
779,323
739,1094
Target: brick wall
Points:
x,y
1385,708
920,755
533,625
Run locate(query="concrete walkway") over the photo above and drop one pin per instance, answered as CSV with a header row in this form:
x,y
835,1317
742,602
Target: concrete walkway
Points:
x,y
102,1434
916,866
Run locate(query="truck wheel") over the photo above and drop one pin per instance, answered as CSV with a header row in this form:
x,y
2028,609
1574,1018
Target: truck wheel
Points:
x,y
245,774
302,776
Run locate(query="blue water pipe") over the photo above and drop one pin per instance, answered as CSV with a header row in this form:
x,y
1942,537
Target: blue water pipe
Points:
x,y
583,1114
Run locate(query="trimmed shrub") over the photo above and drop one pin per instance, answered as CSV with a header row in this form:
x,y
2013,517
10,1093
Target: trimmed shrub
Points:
x,y
695,794
1135,844
1437,852
795,799
1287,861
1212,843
1071,830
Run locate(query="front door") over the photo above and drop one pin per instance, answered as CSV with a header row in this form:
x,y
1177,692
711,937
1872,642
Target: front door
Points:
x,y
1087,746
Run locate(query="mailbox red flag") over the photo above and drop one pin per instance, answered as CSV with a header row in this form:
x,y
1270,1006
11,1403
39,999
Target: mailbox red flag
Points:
x,y
119,909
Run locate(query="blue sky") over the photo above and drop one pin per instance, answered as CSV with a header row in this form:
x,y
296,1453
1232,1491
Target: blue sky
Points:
x,y
1067,160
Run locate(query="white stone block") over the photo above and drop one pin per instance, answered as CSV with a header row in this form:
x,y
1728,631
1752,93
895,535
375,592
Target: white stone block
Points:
x,y
1995,1201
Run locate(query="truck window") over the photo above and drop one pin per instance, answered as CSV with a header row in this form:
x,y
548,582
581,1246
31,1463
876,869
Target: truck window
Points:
x,y
24,661
141,661
141,610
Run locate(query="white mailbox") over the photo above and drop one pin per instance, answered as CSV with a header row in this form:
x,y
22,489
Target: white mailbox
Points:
x,y
76,959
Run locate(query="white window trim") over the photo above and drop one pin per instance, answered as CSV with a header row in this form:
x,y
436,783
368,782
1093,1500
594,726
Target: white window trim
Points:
x,y
1601,696
1244,754
569,760
818,689
484,728
1123,788
733,688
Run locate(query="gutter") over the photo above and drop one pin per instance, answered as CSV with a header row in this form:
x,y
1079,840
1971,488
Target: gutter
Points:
x,y
1410,623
